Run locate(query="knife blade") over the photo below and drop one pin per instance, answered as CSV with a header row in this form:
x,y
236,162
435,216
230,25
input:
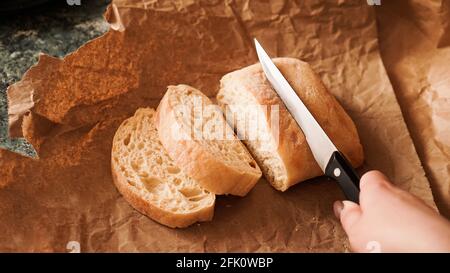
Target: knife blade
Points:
x,y
332,162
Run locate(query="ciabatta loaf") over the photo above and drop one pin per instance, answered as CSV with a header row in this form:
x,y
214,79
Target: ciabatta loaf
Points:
x,y
282,151
198,138
150,181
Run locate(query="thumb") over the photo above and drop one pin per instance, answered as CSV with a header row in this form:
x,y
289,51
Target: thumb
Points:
x,y
348,213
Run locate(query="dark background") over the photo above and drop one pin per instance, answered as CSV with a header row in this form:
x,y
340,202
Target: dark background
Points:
x,y
29,27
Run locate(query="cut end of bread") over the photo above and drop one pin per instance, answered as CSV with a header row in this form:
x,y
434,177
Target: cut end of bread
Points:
x,y
242,109
150,181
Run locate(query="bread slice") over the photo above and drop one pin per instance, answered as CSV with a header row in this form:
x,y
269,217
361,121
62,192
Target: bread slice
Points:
x,y
150,181
282,151
198,138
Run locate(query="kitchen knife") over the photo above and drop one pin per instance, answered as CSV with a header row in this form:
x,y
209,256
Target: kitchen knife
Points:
x,y
332,162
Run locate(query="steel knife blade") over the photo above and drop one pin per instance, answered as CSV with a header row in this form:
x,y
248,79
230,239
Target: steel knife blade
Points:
x,y
332,162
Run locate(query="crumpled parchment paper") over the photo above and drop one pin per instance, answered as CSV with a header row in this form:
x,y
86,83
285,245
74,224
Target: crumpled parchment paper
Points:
x,y
70,108
415,46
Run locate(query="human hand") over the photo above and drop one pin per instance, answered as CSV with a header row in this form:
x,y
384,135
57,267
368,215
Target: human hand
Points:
x,y
392,219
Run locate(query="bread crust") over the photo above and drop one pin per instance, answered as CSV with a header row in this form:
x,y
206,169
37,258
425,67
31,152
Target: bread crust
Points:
x,y
196,161
167,218
293,149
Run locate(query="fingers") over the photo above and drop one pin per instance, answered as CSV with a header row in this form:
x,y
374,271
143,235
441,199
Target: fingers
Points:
x,y
338,206
373,178
374,186
348,213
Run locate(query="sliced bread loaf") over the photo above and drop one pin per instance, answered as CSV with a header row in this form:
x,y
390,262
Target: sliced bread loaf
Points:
x,y
150,181
282,151
198,138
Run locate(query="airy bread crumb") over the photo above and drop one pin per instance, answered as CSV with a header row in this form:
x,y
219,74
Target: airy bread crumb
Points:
x,y
150,181
203,144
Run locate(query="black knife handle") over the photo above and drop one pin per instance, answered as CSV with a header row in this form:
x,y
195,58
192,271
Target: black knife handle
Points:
x,y
342,171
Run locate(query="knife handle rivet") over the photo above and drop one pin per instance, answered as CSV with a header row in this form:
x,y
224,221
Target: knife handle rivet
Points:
x,y
337,172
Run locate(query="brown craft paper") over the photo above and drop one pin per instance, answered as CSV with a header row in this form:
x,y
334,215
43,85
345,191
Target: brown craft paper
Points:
x,y
70,108
415,46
